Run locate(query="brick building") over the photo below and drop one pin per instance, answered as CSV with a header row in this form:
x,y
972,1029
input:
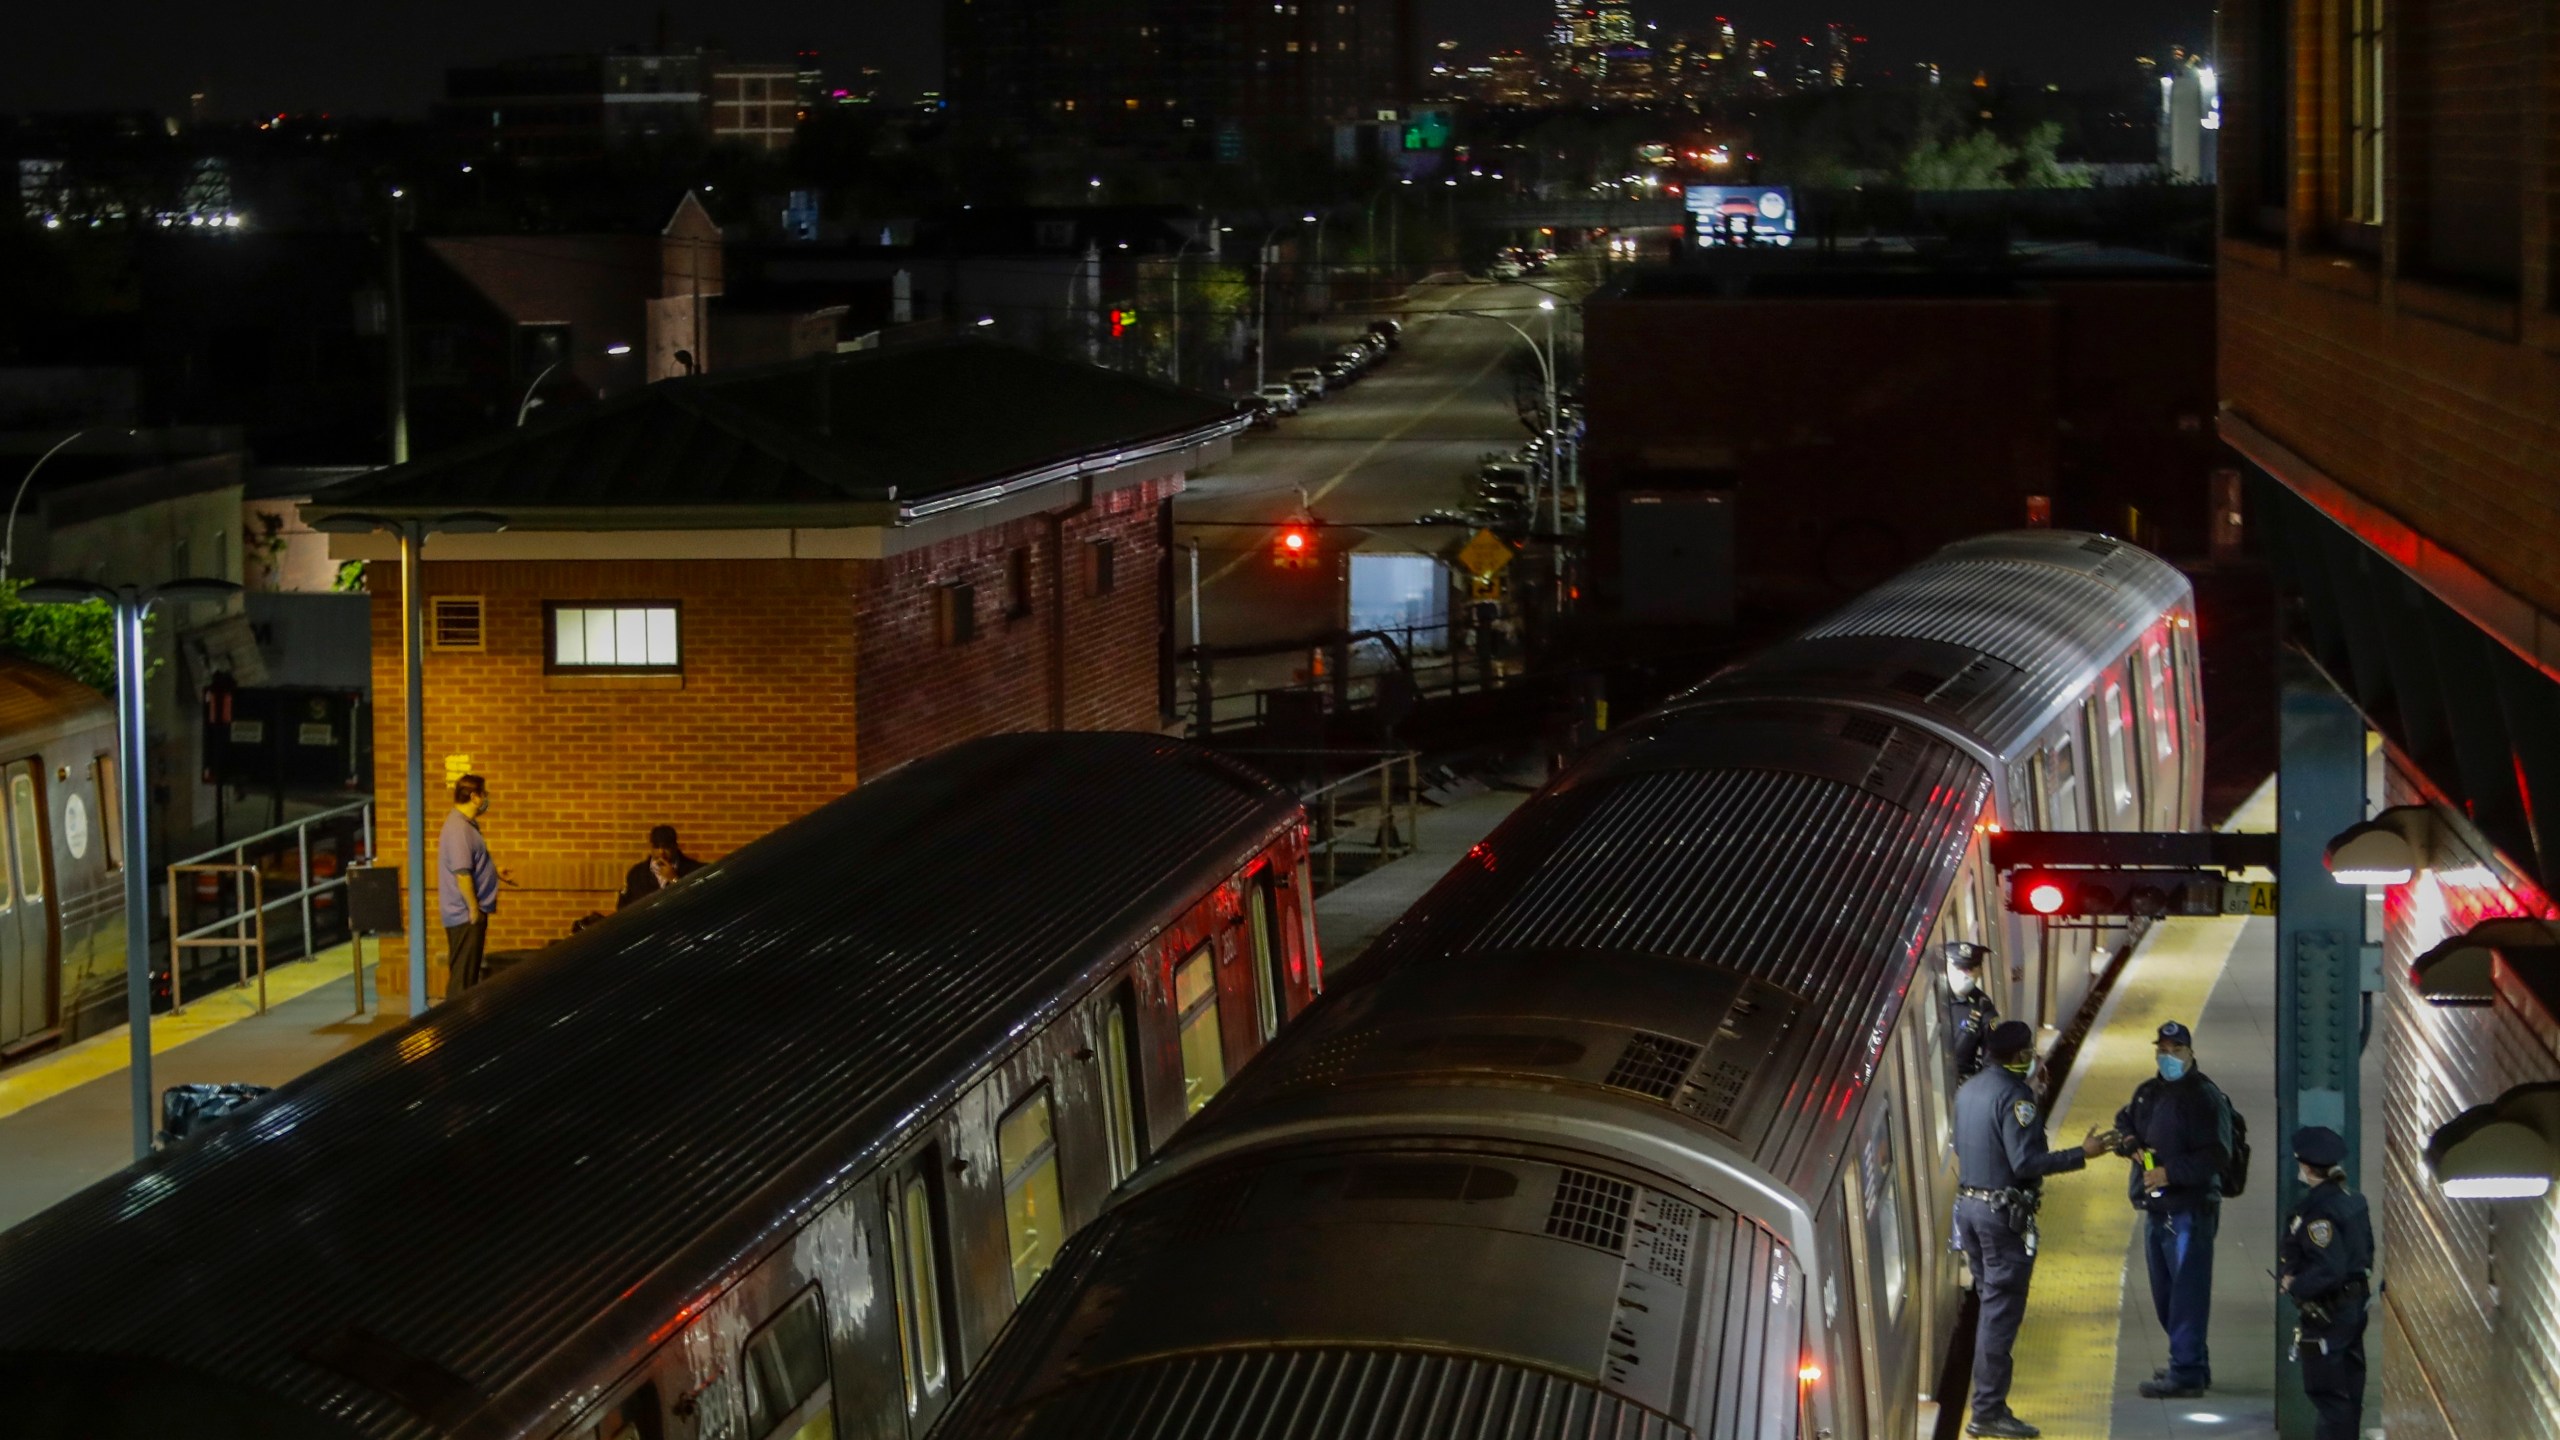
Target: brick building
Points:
x,y
2390,366
720,602
1852,415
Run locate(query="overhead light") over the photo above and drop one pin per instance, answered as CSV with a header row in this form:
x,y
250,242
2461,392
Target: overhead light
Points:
x,y
986,320
2462,970
617,349
2502,1150
1546,304
2388,849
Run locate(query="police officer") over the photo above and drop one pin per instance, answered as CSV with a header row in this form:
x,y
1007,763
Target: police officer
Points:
x,y
1970,1013
2178,1129
2327,1252
2001,1163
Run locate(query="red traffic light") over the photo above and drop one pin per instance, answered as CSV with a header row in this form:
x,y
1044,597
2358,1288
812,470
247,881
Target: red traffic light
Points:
x,y
1293,548
2046,897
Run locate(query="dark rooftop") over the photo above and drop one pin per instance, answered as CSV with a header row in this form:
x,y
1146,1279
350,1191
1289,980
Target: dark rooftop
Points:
x,y
899,427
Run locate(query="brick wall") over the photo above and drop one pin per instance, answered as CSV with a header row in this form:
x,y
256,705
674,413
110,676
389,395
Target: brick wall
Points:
x,y
579,768
923,693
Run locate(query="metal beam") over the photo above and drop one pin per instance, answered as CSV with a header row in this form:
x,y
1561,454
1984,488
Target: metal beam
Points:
x,y
2167,850
2319,939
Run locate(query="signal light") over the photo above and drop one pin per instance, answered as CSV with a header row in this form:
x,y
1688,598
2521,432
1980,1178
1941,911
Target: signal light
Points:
x,y
2075,894
1294,548
1808,1373
2046,897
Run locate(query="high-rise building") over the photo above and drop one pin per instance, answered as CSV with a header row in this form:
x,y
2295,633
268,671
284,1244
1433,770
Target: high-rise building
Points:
x,y
1836,43
755,105
1148,72
575,106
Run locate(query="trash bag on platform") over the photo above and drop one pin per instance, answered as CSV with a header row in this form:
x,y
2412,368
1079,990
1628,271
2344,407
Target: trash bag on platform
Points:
x,y
187,1109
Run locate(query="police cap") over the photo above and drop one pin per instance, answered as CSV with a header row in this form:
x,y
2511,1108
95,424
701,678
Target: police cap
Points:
x,y
2173,1033
1965,955
2319,1146
2008,1038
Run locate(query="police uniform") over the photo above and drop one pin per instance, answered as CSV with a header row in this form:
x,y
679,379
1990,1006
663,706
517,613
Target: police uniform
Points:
x,y
2001,1162
2327,1255
1970,1015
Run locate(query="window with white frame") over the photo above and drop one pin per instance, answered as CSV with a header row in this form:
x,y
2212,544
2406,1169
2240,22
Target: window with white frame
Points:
x,y
625,637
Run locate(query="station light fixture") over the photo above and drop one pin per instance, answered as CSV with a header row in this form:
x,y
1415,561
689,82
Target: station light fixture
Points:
x,y
2462,970
2507,1149
2388,849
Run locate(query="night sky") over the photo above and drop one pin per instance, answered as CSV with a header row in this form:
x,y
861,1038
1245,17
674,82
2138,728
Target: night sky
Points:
x,y
387,56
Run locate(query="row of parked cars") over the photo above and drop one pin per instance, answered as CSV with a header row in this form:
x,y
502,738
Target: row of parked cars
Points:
x,y
1310,383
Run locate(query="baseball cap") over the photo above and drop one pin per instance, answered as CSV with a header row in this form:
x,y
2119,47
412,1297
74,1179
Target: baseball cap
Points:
x,y
2173,1033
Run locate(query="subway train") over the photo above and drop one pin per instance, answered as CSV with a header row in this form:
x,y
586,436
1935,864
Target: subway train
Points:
x,y
1637,1125
774,1152
61,858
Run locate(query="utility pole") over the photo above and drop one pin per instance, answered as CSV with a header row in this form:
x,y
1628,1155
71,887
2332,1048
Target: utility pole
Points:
x,y
398,305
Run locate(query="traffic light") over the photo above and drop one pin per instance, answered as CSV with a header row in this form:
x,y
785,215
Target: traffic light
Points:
x,y
1121,320
1294,548
2070,894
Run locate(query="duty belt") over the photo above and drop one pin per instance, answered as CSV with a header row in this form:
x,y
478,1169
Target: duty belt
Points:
x,y
1996,1197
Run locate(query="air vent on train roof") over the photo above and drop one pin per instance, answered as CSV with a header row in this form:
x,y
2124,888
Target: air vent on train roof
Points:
x,y
1652,1065
1591,1210
1866,730
1918,682
2101,545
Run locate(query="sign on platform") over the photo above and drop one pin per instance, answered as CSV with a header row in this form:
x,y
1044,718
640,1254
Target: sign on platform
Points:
x,y
2248,898
1485,555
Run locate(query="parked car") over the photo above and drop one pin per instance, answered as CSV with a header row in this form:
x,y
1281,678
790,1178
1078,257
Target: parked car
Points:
x,y
1280,396
1261,411
1389,331
1339,374
1310,382
1505,269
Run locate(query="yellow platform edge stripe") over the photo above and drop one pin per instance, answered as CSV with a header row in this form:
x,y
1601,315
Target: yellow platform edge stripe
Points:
x,y
2065,1376
108,1052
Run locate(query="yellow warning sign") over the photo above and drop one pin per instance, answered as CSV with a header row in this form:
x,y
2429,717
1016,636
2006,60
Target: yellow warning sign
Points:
x,y
1485,555
2249,898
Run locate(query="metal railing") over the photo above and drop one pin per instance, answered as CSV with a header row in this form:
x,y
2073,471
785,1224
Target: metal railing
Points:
x,y
1445,658
1372,814
246,861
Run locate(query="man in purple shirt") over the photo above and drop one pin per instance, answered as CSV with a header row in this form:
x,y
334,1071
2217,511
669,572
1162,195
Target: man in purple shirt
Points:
x,y
466,884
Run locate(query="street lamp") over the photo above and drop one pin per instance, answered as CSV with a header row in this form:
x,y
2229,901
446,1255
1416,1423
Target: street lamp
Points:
x,y
131,603
1262,300
412,532
9,538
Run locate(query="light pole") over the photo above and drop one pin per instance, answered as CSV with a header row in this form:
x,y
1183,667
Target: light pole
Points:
x,y
130,603
412,532
1262,302
524,407
1177,305
1555,430
9,538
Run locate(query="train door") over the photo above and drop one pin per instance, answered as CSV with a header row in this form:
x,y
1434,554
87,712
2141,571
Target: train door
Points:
x,y
1270,954
2123,783
29,964
920,1285
1883,1250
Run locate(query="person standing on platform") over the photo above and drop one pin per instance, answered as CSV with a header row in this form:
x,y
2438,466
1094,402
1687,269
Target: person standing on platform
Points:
x,y
2177,1130
2324,1264
665,864
468,881
2001,1163
1970,1012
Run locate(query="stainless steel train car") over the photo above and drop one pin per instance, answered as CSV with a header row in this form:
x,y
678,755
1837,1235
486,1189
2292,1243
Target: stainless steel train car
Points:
x,y
1638,1124
773,1153
61,854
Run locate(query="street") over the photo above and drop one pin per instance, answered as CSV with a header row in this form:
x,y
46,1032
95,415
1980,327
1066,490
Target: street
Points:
x,y
1403,441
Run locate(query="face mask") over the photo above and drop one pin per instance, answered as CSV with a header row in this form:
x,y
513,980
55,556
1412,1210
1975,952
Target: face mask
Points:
x,y
2019,1065
1960,982
2172,1068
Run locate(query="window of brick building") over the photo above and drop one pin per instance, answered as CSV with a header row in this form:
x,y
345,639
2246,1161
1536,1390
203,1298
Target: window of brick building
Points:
x,y
1106,557
624,637
956,612
1017,583
2364,189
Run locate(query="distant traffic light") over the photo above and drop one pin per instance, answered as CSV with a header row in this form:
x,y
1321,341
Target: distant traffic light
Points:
x,y
1121,320
1294,548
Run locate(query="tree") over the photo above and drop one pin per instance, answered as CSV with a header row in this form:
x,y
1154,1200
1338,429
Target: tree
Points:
x,y
1977,161
78,640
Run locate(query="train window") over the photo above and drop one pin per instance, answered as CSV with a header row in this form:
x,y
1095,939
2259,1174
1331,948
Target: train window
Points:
x,y
785,1374
1270,986
110,810
917,1272
2159,703
1034,1215
1306,893
1881,1178
2119,719
1122,1101
1204,1056
2060,800
27,821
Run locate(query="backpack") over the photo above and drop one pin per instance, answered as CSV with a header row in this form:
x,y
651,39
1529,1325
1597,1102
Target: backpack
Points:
x,y
2235,1161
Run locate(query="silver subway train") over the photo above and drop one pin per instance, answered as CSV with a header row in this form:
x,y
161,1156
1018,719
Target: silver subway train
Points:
x,y
1638,1124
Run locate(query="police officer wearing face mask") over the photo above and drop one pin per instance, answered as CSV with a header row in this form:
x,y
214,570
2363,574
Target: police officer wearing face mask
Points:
x,y
1970,1013
2323,1264
2177,1130
2001,1163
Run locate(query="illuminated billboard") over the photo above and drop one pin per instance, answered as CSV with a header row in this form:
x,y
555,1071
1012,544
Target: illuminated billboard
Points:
x,y
1742,214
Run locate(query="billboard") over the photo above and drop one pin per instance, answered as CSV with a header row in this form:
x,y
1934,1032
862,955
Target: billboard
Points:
x,y
1742,214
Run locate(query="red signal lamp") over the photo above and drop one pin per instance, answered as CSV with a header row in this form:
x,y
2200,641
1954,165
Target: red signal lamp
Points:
x,y
2046,897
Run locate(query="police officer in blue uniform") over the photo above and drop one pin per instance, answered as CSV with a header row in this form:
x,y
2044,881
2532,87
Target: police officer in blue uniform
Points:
x,y
2177,1129
1970,1011
2324,1264
2001,1163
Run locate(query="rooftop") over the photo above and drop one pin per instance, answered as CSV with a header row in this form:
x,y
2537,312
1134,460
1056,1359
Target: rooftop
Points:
x,y
866,437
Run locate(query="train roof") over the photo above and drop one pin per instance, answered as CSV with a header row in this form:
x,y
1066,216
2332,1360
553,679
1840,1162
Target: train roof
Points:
x,y
1790,854
1991,636
633,1120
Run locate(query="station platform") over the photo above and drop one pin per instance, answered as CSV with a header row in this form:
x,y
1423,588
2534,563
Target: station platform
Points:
x,y
1356,912
2091,1336
66,1117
